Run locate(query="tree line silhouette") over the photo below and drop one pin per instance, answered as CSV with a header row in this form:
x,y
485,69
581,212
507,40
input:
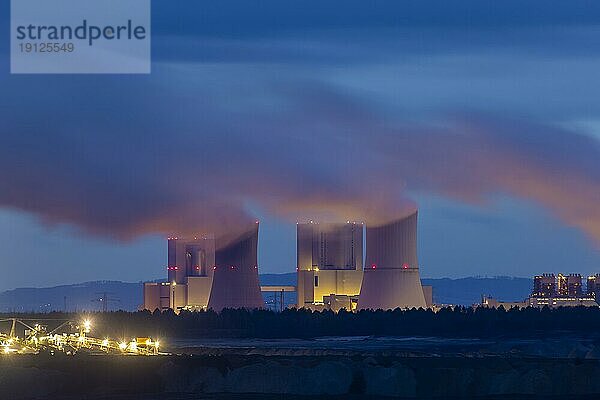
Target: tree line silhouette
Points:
x,y
302,323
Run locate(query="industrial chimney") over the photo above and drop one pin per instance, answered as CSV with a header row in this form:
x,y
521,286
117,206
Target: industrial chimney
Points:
x,y
391,276
235,279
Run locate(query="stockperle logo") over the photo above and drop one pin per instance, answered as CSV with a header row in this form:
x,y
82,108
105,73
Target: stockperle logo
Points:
x,y
80,36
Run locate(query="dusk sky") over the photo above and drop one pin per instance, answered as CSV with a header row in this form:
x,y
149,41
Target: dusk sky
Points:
x,y
484,114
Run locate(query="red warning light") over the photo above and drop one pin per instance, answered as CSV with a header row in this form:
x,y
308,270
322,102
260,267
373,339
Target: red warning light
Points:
x,y
373,266
405,266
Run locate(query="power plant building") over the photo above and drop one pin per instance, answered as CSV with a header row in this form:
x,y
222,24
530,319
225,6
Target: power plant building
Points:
x,y
562,291
564,285
593,286
209,273
329,265
235,282
201,277
189,272
574,288
544,285
391,276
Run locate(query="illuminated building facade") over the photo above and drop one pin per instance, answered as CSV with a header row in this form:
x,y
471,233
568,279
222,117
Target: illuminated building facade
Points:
x,y
593,286
562,291
329,265
189,276
554,291
574,288
544,285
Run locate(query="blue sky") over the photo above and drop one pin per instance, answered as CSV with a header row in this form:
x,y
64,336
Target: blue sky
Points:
x,y
483,114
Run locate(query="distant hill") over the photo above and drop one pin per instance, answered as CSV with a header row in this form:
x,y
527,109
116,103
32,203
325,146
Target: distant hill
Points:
x,y
85,296
466,291
79,297
278,279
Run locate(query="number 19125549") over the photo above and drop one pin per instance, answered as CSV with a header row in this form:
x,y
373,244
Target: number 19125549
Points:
x,y
47,47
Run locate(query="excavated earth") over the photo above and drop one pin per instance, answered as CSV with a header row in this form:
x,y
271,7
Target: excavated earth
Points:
x,y
490,370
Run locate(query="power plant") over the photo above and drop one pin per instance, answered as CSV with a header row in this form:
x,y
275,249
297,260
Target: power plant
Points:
x,y
553,291
561,291
190,272
216,274
329,265
235,281
201,277
391,277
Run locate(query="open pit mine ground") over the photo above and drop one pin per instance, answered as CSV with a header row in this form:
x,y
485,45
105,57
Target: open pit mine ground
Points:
x,y
332,368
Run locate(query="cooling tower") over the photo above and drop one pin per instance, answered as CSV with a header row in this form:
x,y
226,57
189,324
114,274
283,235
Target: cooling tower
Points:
x,y
391,277
235,279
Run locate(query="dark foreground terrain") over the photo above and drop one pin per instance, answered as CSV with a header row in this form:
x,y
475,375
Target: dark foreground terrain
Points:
x,y
233,376
240,354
